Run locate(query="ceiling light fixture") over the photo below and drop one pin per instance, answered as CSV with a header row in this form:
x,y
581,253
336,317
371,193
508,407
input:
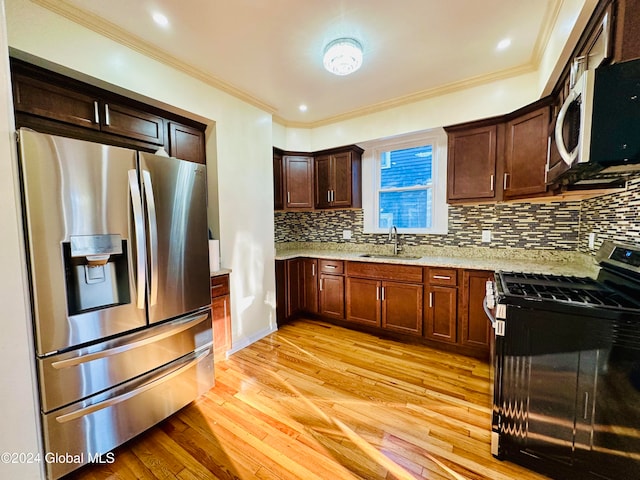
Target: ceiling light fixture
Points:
x,y
343,56
160,19
503,44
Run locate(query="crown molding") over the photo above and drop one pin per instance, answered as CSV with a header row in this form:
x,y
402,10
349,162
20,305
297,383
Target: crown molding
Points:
x,y
414,97
113,32
107,29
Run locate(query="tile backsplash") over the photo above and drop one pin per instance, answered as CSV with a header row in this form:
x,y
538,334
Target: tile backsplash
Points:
x,y
611,217
540,226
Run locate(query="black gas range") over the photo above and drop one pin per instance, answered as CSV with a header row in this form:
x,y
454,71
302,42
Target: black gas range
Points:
x,y
567,369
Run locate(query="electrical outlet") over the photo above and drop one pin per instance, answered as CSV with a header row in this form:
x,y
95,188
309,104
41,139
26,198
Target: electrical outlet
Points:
x,y
486,236
346,234
592,240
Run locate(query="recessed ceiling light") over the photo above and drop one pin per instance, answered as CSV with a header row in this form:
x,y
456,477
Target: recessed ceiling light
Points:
x,y
160,19
302,108
504,43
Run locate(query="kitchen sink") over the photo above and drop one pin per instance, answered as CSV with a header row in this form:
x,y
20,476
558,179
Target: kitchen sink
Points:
x,y
392,257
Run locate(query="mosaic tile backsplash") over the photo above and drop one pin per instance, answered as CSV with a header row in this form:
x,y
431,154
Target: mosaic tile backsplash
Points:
x,y
541,226
611,217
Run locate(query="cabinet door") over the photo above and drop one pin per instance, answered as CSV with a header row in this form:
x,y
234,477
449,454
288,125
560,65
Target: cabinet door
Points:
x,y
471,165
323,181
363,301
221,326
341,184
441,313
282,291
332,296
58,103
526,154
132,123
278,184
186,143
294,287
475,326
299,181
402,307
310,285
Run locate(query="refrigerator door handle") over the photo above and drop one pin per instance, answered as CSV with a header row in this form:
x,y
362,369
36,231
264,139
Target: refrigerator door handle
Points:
x,y
116,347
153,236
137,391
138,225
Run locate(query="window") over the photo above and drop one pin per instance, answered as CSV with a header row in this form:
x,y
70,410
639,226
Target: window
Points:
x,y
404,184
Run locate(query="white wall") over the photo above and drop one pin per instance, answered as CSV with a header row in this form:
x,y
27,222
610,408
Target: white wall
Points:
x,y
239,142
17,401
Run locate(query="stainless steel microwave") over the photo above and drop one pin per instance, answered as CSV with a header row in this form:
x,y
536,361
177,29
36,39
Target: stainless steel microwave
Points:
x,y
597,131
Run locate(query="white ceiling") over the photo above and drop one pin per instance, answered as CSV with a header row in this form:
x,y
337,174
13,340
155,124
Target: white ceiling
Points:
x,y
269,51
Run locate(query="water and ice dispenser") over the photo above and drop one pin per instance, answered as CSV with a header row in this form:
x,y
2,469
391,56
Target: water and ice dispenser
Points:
x,y
96,271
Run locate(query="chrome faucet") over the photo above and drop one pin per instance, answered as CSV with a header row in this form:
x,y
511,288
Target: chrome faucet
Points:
x,y
393,236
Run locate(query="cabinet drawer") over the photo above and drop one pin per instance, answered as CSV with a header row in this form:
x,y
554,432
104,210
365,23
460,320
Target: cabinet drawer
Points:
x,y
385,271
442,276
331,266
219,286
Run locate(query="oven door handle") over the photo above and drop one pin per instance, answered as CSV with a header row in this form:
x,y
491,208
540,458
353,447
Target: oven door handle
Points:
x,y
492,319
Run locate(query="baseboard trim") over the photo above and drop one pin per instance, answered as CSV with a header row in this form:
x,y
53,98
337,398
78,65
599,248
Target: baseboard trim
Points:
x,y
248,340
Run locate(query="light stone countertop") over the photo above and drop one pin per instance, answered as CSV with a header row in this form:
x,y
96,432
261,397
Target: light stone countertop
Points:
x,y
481,258
222,271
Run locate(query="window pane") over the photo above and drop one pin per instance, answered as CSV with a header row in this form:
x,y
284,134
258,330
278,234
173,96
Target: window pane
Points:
x,y
410,209
406,168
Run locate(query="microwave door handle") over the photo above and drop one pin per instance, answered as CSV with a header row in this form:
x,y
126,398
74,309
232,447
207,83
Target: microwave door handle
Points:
x,y
138,226
567,157
153,236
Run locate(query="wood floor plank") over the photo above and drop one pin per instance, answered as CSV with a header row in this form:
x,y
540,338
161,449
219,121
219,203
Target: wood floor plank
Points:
x,y
314,401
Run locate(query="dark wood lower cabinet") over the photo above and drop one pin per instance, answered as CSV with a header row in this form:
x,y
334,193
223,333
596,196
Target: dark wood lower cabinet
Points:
x,y
402,305
309,272
441,307
331,296
441,313
294,287
221,316
363,301
476,330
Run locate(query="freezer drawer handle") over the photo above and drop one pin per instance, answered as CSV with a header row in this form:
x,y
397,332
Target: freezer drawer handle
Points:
x,y
153,236
168,331
138,224
126,396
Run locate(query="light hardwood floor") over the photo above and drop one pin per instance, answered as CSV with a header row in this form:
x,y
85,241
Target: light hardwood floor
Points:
x,y
316,401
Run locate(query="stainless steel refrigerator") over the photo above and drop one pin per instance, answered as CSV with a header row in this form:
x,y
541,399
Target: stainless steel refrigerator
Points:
x,y
117,243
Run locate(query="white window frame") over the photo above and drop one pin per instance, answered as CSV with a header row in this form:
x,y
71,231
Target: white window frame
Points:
x,y
371,179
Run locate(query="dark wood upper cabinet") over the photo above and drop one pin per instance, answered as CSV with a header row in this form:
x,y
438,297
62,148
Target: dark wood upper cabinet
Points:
x,y
338,181
471,165
43,99
186,143
53,103
501,158
298,181
334,181
278,181
525,156
132,123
